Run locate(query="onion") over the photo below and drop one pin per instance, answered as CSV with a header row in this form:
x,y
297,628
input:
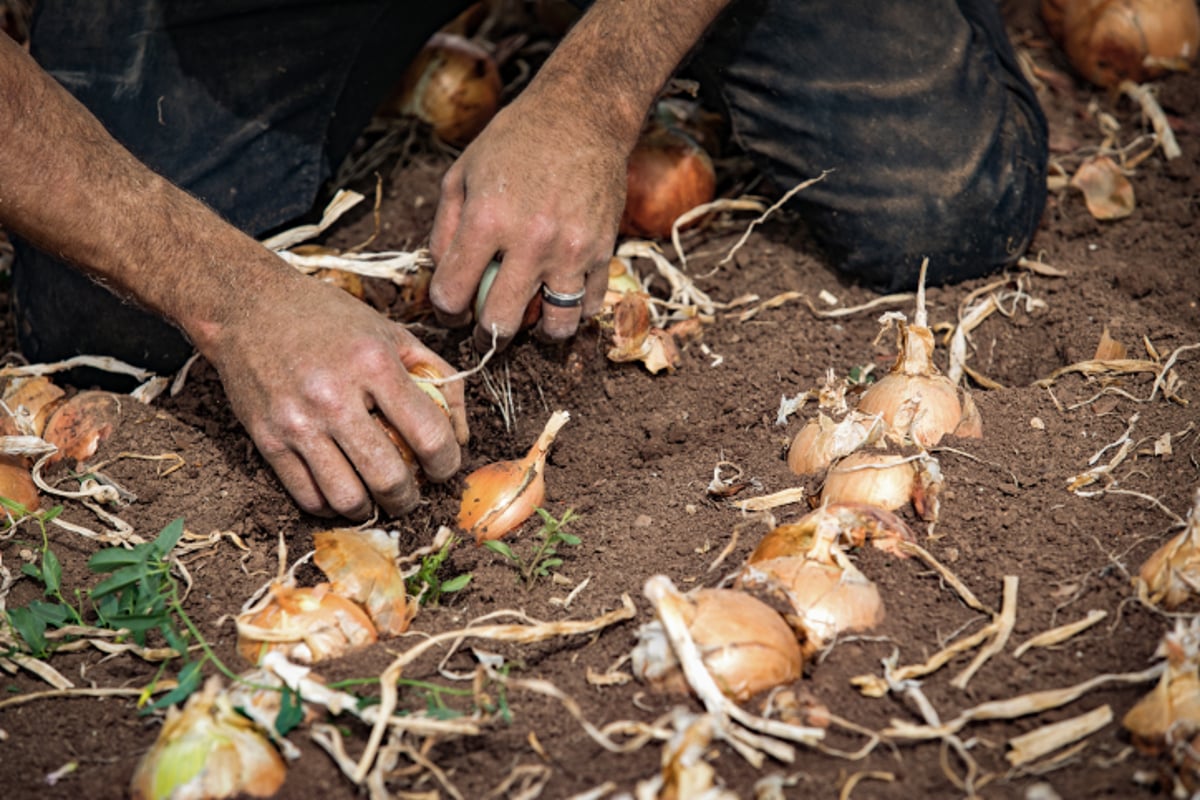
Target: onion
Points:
x,y
668,174
1172,573
821,441
361,565
1171,711
828,594
849,523
78,425
349,282
16,482
500,496
533,311
746,646
453,85
208,750
30,401
621,281
304,624
887,481
635,340
1109,41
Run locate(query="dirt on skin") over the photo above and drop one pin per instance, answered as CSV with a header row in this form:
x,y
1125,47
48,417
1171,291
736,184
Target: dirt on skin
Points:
x,y
634,463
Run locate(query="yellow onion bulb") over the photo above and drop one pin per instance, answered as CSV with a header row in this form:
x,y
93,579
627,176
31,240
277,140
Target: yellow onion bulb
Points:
x,y
79,425
454,86
745,644
30,402
668,174
307,625
16,482
1171,710
1109,41
885,480
1172,572
852,524
822,441
500,496
208,750
361,566
828,598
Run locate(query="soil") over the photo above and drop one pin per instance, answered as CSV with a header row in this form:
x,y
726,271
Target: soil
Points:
x,y
634,463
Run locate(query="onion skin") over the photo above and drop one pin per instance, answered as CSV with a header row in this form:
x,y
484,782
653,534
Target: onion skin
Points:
x,y
208,750
361,566
746,646
822,441
500,496
1109,41
1169,576
453,85
79,425
311,624
668,175
1171,711
16,482
873,479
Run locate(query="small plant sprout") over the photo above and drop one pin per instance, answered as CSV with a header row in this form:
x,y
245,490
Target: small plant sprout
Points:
x,y
544,557
427,585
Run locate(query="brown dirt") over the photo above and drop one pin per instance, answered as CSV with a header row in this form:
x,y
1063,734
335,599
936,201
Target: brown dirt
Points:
x,y
634,462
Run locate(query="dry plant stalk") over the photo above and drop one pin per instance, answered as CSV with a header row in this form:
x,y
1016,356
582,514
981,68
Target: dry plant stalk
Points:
x,y
1001,628
522,634
1062,633
1042,741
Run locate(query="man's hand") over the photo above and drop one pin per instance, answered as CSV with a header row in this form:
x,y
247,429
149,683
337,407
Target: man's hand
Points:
x,y
304,364
540,189
306,394
543,186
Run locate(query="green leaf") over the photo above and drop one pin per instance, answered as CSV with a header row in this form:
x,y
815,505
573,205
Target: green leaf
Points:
x,y
12,505
32,571
51,572
168,538
189,681
55,614
123,577
31,628
568,538
291,712
112,558
497,546
457,583
549,564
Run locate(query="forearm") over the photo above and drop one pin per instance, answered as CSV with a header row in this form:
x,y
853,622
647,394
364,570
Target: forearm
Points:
x,y
68,187
616,59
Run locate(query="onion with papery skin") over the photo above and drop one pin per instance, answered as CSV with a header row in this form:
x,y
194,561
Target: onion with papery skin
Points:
x,y
533,310
361,565
453,85
1170,713
827,593
16,482
668,175
853,524
746,646
1109,41
500,496
886,480
30,402
304,624
822,441
79,425
207,751
1171,575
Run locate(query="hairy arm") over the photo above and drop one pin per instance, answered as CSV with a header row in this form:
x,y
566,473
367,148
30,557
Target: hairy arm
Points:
x,y
544,184
303,390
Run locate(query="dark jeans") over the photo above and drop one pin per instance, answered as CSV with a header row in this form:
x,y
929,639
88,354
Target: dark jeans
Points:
x,y
936,142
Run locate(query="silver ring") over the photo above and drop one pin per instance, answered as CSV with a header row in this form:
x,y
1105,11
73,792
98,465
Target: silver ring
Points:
x,y
568,300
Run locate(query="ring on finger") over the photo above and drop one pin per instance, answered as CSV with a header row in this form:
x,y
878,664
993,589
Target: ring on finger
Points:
x,y
563,299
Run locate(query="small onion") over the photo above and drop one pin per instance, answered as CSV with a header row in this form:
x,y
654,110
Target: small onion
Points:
x,y
746,646
822,441
533,310
208,750
500,496
668,175
16,482
875,479
79,425
1172,573
453,85
305,624
361,565
1171,711
31,401
1109,41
